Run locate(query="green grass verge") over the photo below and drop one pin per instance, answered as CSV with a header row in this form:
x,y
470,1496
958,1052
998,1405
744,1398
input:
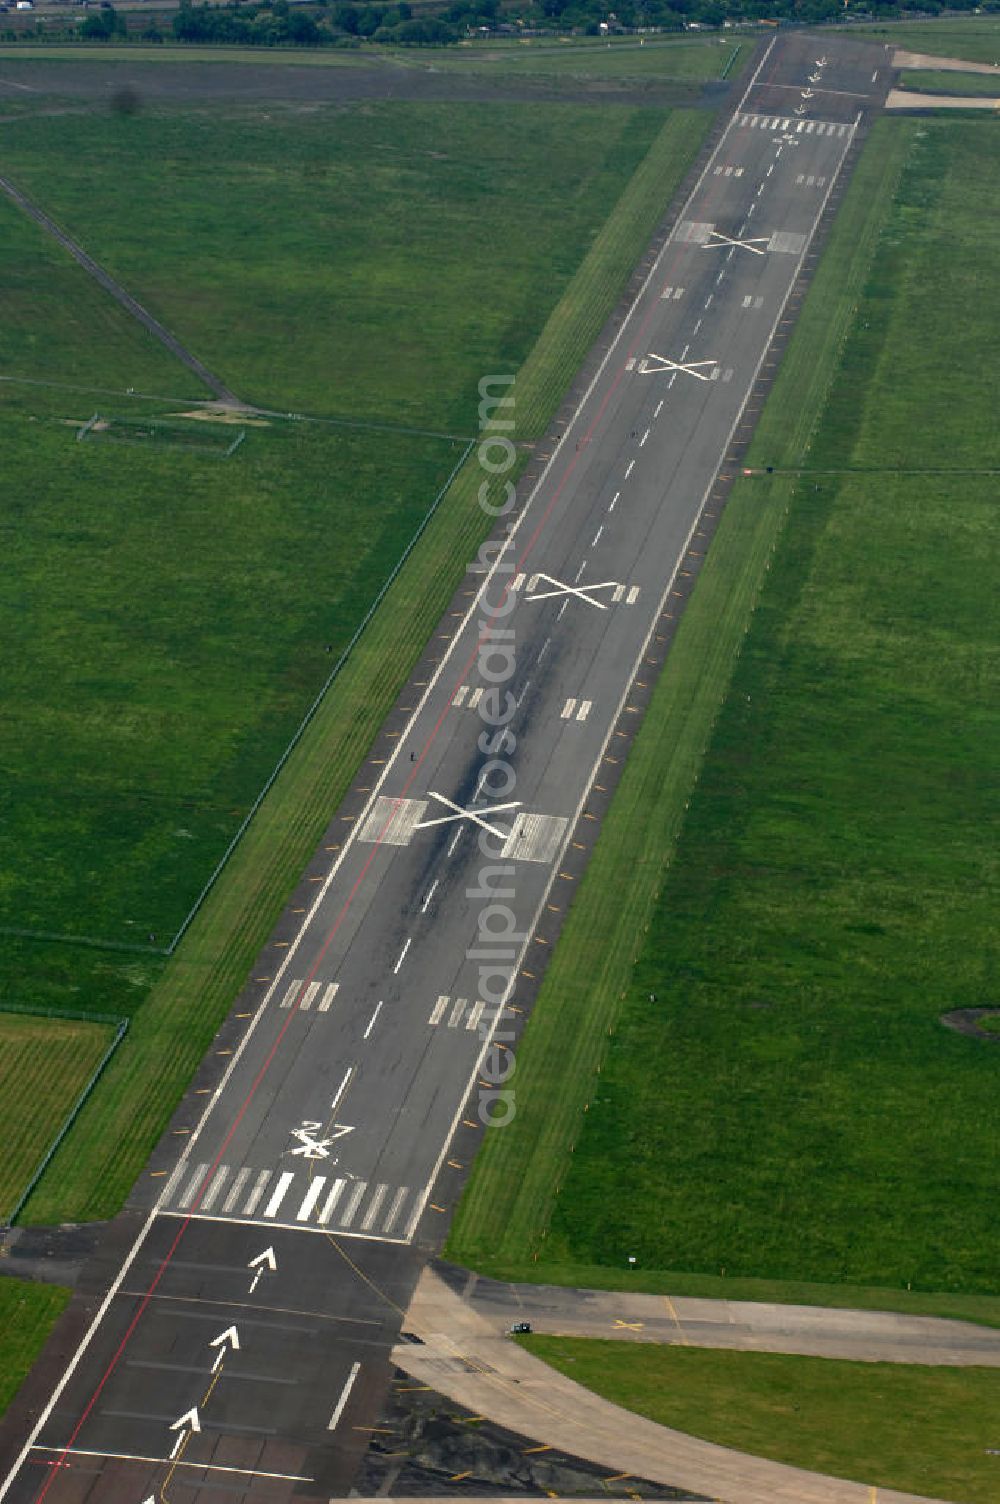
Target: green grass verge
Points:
x,y
114,1135
406,251
661,57
44,1065
788,1105
929,1431
975,38
28,1313
622,58
928,81
503,1216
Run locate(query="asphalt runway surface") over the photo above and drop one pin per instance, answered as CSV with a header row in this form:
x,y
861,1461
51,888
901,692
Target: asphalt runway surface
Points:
x,y
92,83
257,1283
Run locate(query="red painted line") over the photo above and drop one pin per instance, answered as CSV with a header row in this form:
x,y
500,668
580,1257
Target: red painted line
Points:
x,y
345,908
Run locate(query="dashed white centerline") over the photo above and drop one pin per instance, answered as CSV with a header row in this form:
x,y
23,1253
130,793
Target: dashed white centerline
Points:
x,y
562,608
524,691
696,327
655,415
644,438
618,493
454,841
631,466
371,1021
576,578
344,1396
402,955
430,894
545,644
342,1088
600,530
770,169
709,299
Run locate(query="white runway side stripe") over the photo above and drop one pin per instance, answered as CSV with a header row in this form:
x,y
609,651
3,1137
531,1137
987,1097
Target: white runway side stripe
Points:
x,y
458,1014
329,992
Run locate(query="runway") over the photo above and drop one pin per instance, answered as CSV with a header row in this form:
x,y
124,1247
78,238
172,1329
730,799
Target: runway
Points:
x,y
259,1278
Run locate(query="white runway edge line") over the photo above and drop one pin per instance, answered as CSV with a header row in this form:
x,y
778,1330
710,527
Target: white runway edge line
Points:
x,y
216,1096
664,599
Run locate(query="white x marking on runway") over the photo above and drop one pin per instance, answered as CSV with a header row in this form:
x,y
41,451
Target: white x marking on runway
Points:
x,y
690,367
580,593
469,814
717,240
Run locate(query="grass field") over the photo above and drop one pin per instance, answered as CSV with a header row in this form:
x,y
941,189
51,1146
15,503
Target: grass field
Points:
x,y
976,38
244,579
690,58
930,1431
926,81
44,1065
394,266
57,325
27,1314
183,1000
625,57
790,1108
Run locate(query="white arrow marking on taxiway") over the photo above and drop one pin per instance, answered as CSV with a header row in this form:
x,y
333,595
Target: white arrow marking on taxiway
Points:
x,y
229,1338
266,1258
190,1419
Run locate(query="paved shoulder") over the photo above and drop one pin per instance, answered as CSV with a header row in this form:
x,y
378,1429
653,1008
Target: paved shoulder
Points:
x,y
751,1326
463,1355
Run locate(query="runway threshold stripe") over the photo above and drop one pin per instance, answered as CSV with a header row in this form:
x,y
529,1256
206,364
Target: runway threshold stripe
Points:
x,y
394,1208
256,1193
278,1194
331,1202
215,1188
350,1210
236,1189
374,1205
171,1185
191,1188
310,1199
